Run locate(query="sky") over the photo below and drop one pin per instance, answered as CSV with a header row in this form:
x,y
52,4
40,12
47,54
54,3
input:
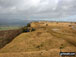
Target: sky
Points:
x,y
15,10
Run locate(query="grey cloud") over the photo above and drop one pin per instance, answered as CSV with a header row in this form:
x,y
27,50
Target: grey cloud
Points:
x,y
36,9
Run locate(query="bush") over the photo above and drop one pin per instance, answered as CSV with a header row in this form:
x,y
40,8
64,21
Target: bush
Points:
x,y
28,25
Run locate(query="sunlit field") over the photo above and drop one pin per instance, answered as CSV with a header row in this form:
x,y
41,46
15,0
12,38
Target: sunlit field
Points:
x,y
8,27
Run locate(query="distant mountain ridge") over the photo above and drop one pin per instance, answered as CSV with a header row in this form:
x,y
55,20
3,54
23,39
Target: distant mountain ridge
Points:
x,y
13,22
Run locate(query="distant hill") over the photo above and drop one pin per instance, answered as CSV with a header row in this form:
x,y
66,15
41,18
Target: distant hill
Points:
x,y
13,22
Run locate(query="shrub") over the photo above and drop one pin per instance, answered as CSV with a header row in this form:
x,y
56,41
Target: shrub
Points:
x,y
28,25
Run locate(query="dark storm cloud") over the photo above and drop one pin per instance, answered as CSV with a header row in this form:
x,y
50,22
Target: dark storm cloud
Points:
x,y
36,9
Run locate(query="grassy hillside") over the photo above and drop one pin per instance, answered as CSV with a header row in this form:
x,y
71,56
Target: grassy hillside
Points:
x,y
44,42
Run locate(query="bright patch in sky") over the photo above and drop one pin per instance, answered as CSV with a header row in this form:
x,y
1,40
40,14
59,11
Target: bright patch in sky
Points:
x,y
35,2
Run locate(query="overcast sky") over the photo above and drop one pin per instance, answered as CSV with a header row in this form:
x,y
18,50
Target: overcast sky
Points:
x,y
37,9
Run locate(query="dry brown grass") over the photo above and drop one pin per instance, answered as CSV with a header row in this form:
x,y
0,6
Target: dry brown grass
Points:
x,y
44,42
